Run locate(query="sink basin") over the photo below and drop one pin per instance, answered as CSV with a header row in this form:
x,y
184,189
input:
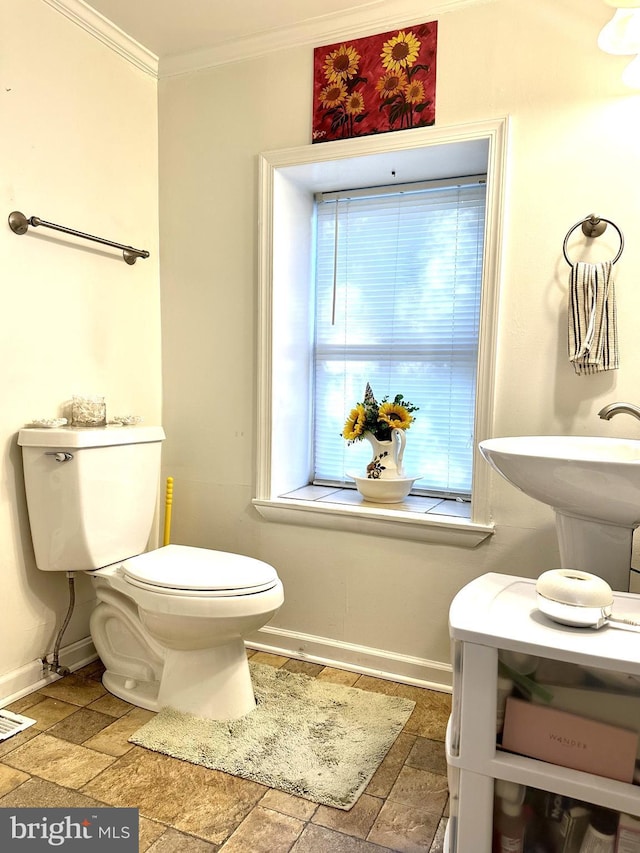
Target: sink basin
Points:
x,y
592,483
593,477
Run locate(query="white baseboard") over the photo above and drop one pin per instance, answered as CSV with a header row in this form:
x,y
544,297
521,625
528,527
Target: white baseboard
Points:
x,y
406,669
363,659
34,675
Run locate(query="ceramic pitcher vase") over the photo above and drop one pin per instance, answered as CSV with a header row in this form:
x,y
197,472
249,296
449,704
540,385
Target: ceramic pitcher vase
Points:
x,y
387,456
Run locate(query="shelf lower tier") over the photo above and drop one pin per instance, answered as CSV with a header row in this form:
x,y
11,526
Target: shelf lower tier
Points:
x,y
598,790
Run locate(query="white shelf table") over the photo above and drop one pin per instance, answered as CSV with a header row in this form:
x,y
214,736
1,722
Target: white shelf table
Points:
x,y
497,612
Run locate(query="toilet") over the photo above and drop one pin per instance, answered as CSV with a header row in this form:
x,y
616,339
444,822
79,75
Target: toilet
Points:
x,y
169,624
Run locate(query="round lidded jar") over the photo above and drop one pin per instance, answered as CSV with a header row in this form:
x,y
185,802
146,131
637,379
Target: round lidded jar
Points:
x,y
88,411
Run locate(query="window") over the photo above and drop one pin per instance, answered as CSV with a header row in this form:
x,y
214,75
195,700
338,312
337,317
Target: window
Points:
x,y
289,182
397,304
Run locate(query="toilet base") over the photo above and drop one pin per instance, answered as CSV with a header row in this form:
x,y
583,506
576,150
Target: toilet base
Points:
x,y
211,683
142,694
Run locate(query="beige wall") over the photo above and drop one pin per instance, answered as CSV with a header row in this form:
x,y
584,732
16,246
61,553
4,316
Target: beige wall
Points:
x,y
78,147
573,150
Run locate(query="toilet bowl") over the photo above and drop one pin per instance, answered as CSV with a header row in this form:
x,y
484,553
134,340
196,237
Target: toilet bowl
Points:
x,y
193,608
169,624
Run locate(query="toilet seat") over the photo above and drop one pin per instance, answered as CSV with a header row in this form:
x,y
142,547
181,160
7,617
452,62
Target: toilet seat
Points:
x,y
188,571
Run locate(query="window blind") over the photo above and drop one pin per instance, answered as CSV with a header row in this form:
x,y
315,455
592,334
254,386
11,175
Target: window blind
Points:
x,y
398,285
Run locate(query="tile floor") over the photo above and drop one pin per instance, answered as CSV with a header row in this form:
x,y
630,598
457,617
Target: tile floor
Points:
x,y
78,755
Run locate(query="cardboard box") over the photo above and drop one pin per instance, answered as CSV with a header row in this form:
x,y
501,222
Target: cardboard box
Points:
x,y
573,826
569,740
559,823
617,709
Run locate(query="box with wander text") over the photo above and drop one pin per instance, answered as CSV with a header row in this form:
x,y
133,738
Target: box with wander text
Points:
x,y
569,740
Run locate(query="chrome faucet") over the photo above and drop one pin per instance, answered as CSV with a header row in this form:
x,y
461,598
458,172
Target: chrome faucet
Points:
x,y
616,408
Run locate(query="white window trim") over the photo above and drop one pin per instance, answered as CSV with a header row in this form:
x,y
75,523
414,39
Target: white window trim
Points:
x,y
283,451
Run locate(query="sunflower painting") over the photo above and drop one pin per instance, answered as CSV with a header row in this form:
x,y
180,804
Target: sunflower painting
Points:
x,y
375,84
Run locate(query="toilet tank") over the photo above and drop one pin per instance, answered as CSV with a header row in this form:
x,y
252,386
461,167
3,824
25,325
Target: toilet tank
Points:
x,y
91,493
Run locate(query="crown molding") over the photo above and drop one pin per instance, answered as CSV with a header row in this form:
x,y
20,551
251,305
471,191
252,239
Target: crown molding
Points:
x,y
326,29
355,23
113,37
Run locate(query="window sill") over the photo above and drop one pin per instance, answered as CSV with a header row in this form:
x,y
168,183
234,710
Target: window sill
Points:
x,y
443,522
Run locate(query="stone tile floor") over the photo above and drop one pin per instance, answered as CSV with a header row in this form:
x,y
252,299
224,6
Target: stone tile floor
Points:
x,y
78,755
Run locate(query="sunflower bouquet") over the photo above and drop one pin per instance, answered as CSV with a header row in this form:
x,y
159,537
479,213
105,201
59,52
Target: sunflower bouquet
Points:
x,y
379,419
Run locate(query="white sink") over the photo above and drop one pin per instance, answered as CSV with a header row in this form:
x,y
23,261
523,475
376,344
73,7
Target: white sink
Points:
x,y
592,483
596,478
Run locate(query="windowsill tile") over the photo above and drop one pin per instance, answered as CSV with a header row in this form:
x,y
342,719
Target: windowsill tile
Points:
x,y
312,493
418,518
412,503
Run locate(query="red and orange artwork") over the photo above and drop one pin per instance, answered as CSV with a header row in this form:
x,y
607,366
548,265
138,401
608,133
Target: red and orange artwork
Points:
x,y
375,84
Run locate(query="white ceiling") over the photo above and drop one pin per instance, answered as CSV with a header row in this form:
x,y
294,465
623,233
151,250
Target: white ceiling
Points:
x,y
171,28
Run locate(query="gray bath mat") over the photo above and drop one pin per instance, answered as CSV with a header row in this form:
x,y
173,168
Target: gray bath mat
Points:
x,y
307,737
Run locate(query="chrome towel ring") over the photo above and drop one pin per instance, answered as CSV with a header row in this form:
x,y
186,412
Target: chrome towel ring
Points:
x,y
592,226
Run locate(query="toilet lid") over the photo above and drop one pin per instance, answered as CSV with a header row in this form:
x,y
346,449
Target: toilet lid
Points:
x,y
185,570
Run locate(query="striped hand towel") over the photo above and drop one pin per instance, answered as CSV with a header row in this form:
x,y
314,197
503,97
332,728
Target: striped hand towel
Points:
x,y
593,328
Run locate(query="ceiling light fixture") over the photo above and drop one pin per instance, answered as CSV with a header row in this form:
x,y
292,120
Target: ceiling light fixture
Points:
x,y
621,37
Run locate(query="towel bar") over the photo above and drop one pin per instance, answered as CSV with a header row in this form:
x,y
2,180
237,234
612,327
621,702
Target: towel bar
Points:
x,y
19,224
592,226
